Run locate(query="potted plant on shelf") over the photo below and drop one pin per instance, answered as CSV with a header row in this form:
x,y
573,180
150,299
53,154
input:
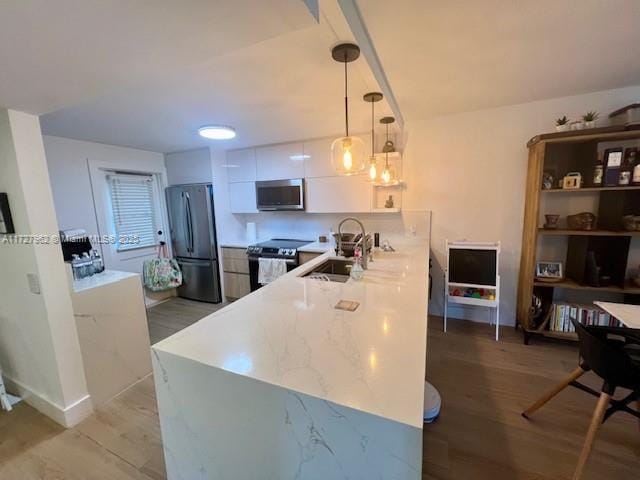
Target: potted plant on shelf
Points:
x,y
562,124
590,119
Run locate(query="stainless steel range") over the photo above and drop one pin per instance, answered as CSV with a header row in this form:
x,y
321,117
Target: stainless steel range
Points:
x,y
286,249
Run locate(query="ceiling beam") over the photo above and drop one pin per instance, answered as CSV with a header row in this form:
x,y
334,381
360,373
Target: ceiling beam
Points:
x,y
353,16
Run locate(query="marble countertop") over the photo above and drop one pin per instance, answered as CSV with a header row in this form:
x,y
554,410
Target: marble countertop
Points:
x,y
100,280
289,334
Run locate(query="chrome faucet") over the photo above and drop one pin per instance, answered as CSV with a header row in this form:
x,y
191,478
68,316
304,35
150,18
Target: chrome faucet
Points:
x,y
363,240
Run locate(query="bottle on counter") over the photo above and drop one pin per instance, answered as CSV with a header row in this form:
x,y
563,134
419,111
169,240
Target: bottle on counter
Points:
x,y
357,272
76,266
98,264
87,264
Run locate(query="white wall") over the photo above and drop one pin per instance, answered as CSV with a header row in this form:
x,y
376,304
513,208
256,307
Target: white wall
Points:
x,y
39,348
192,166
470,170
77,180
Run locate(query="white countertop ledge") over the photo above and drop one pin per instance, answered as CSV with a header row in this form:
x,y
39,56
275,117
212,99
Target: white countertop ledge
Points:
x,y
101,279
289,334
312,247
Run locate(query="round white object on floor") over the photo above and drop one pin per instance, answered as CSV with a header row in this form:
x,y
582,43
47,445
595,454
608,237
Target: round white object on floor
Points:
x,y
432,403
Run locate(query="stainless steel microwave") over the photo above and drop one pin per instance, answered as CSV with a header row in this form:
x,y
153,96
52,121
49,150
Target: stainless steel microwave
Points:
x,y
280,195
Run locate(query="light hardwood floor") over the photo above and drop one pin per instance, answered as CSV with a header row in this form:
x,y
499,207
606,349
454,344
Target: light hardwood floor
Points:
x,y
175,314
480,434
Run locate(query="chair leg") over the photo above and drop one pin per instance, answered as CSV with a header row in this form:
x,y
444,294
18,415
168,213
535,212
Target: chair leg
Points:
x,y
577,373
596,421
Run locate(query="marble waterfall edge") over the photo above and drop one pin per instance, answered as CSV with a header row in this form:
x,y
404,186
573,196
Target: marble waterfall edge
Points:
x,y
218,425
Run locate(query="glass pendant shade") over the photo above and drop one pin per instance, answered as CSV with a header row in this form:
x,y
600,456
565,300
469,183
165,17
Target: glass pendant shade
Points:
x,y
348,155
373,168
388,175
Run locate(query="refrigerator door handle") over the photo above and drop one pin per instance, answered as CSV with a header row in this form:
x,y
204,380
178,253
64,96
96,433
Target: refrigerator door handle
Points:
x,y
185,220
189,221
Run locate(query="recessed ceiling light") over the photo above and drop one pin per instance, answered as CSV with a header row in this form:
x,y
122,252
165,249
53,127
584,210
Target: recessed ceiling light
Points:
x,y
300,157
217,132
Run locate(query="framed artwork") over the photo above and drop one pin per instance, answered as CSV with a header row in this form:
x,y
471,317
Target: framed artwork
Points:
x,y
549,271
612,165
6,222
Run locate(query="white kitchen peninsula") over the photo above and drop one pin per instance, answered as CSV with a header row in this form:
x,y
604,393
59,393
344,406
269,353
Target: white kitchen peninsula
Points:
x,y
281,385
112,328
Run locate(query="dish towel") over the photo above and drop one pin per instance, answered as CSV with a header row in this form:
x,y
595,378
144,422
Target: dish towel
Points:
x,y
270,268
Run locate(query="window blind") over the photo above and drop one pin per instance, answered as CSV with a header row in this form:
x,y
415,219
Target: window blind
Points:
x,y
134,210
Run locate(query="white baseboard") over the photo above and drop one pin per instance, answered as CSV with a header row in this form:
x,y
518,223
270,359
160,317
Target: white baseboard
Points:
x,y
67,417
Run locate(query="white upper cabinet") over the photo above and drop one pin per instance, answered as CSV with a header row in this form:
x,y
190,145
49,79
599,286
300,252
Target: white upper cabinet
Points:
x,y
317,161
280,162
241,165
242,197
339,194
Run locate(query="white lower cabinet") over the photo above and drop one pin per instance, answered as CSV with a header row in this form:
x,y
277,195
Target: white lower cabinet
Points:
x,y
351,194
242,197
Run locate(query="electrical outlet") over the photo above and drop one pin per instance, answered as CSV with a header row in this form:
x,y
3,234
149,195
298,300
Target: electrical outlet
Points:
x,y
34,283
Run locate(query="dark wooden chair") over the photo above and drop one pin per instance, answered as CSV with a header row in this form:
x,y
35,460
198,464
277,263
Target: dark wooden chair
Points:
x,y
614,355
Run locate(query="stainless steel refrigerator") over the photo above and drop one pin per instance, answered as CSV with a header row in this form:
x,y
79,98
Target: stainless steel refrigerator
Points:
x,y
193,237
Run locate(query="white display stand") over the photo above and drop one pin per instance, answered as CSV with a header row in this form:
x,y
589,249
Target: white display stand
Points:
x,y
479,302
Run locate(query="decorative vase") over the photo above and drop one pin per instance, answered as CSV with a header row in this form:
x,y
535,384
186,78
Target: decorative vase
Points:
x,y
551,221
562,128
590,124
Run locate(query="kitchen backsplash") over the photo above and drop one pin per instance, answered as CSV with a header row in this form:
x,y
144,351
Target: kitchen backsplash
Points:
x,y
309,227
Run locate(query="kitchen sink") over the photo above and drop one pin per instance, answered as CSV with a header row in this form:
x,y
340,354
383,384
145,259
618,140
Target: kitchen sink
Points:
x,y
333,269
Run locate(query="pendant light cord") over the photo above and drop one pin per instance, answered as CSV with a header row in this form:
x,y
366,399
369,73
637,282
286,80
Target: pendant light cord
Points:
x,y
372,130
346,97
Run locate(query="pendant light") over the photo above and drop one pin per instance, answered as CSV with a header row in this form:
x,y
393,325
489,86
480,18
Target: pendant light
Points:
x,y
373,97
388,175
347,153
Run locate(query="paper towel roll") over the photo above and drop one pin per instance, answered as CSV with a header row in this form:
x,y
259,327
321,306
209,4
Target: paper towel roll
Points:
x,y
252,234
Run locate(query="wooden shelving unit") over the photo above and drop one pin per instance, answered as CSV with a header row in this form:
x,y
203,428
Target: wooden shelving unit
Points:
x,y
560,153
569,284
588,233
592,189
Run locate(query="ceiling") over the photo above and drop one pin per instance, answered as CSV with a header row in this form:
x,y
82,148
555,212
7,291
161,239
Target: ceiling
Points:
x,y
447,56
147,74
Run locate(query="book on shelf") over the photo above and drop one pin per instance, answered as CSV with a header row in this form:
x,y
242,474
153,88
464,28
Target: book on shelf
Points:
x,y
561,315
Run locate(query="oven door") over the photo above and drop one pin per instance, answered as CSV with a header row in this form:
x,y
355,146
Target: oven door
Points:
x,y
254,266
280,195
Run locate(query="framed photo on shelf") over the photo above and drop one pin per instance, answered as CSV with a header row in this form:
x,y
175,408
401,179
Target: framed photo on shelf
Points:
x,y
549,271
6,222
612,165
